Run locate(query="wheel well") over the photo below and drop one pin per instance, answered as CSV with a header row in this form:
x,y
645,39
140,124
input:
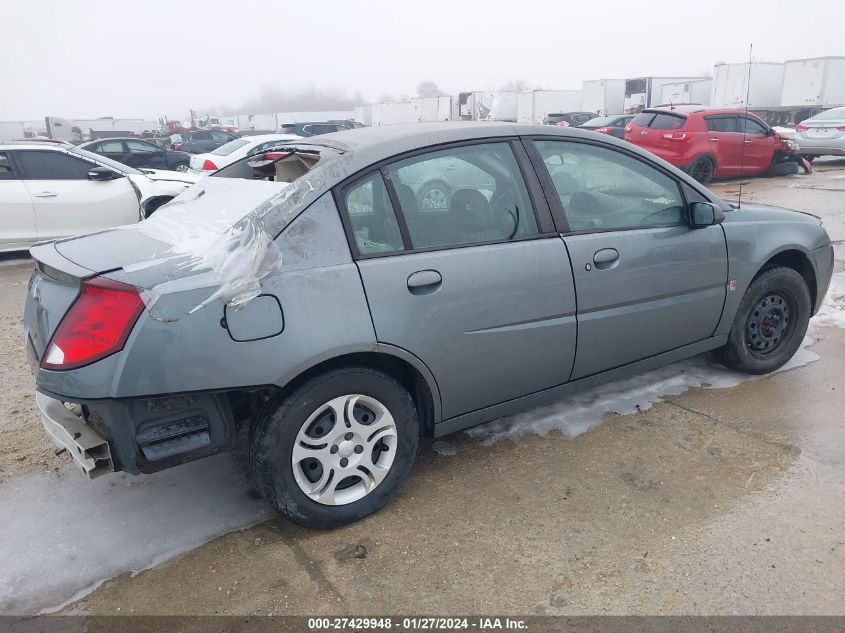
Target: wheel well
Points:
x,y
151,205
401,370
797,261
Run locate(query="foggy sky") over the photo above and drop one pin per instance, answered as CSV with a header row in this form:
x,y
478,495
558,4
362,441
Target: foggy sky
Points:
x,y
147,58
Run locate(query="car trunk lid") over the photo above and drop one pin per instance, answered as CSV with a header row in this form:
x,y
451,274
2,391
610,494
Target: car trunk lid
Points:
x,y
52,289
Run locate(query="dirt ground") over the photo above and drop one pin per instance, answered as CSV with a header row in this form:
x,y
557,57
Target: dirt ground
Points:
x,y
717,501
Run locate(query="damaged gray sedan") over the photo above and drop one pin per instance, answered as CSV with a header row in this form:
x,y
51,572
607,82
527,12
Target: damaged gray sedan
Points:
x,y
312,305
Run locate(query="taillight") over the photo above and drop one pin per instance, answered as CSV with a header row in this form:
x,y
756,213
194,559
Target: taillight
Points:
x,y
801,128
209,166
563,123
275,155
841,128
177,146
603,130
97,324
677,136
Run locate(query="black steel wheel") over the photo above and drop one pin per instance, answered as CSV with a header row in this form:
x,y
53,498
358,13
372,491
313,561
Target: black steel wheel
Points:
x,y
770,323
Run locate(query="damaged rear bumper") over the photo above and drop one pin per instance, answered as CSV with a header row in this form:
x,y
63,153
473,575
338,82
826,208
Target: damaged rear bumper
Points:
x,y
69,431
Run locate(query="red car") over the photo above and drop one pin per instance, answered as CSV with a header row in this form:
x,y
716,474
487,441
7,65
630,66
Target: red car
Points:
x,y
713,143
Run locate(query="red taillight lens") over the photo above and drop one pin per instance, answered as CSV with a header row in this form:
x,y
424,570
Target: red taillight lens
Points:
x,y
801,128
677,136
97,324
841,128
275,155
603,130
563,123
209,166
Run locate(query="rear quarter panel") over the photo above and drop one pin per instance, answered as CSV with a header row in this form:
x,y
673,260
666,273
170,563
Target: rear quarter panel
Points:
x,y
325,315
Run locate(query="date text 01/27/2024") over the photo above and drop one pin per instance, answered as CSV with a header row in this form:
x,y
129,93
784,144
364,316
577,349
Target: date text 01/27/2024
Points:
x,y
417,624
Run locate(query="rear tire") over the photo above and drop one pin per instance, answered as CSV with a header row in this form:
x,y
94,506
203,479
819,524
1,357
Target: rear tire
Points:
x,y
702,170
770,323
321,467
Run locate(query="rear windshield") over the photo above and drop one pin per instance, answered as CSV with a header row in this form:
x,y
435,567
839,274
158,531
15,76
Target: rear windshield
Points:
x,y
660,120
283,163
231,146
830,115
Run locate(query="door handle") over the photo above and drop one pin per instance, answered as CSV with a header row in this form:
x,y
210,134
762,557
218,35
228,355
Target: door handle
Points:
x,y
606,258
45,194
424,282
747,141
714,140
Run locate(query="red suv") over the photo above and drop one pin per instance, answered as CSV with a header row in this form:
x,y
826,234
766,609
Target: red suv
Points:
x,y
713,143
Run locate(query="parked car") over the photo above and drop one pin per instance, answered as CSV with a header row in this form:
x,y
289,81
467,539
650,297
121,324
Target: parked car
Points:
x,y
202,141
821,135
48,191
139,153
713,142
567,119
332,321
313,128
613,124
236,149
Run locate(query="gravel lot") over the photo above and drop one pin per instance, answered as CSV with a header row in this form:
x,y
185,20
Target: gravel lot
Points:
x,y
712,501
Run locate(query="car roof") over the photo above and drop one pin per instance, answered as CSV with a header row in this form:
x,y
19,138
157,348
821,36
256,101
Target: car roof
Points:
x,y
689,108
116,138
26,144
364,146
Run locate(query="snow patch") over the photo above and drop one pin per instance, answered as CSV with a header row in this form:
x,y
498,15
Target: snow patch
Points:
x,y
63,535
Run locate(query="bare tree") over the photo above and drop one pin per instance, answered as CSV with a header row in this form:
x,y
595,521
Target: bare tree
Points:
x,y
428,88
516,85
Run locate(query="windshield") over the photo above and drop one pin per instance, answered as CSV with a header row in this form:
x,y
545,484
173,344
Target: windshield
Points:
x,y
108,162
834,114
231,146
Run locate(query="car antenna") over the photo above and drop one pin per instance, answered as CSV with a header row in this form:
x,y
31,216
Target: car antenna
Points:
x,y
744,126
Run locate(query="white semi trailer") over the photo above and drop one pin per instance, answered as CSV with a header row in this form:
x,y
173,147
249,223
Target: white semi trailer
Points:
x,y
534,105
603,96
647,92
698,91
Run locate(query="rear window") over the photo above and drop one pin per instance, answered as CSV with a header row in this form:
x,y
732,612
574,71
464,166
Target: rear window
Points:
x,y
668,122
231,146
643,119
660,120
599,121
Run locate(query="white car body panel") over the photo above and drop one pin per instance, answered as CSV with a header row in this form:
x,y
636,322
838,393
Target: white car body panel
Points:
x,y
37,210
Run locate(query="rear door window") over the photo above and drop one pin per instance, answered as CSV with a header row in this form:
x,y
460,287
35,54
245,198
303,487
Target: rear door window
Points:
x,y
40,165
462,196
7,170
722,124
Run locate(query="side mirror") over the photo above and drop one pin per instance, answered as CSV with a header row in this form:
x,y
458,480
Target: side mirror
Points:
x,y
102,173
703,214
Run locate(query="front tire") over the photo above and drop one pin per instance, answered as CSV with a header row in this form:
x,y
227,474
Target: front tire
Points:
x,y
770,323
336,449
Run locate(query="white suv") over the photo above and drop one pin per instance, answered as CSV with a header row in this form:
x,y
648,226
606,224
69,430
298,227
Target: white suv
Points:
x,y
48,191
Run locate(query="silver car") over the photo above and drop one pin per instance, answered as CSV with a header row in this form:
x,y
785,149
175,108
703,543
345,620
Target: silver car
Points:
x,y
822,134
305,305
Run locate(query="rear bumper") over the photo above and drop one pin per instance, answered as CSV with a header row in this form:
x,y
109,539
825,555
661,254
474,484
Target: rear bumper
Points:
x,y
69,431
138,435
821,146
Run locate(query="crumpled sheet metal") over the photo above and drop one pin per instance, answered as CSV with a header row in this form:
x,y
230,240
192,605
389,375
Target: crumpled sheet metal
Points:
x,y
223,244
